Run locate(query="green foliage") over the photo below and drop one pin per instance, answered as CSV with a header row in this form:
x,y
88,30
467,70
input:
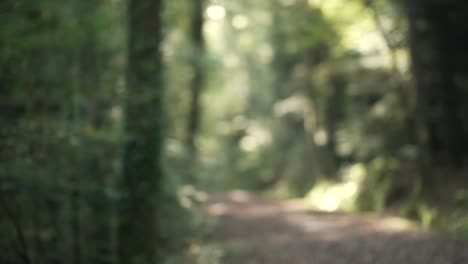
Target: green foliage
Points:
x,y
297,97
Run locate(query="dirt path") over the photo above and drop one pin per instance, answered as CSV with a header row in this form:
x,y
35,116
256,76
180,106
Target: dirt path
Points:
x,y
253,230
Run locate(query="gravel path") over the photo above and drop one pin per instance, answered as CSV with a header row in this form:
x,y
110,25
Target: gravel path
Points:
x,y
253,231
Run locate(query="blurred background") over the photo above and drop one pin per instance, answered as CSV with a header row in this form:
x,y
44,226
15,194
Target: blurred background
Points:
x,y
119,117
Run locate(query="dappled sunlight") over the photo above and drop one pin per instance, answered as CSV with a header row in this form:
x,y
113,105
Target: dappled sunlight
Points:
x,y
310,88
362,35
256,137
189,196
240,196
295,104
263,231
130,128
213,31
215,12
240,22
333,196
395,223
218,209
321,137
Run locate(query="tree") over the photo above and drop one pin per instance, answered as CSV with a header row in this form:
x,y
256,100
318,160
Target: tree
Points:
x,y
142,170
197,80
438,39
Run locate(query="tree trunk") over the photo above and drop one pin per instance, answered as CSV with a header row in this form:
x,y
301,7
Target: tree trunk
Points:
x,y
438,40
142,172
198,78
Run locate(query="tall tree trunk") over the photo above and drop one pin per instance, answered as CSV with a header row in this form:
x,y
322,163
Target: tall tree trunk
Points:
x,y
198,78
281,71
438,39
142,172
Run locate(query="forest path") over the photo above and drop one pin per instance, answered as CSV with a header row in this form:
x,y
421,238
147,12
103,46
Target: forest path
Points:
x,y
253,230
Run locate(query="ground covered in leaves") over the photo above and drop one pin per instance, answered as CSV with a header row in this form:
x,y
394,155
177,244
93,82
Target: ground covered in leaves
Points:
x,y
253,230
